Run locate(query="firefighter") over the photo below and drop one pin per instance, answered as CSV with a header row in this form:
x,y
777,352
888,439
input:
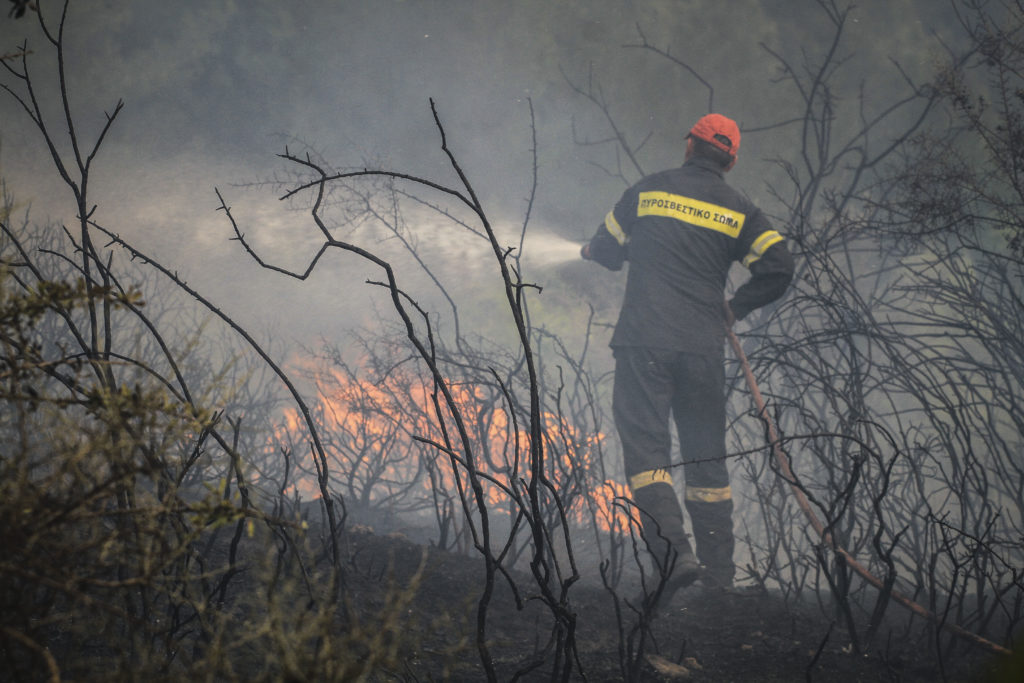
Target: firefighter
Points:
x,y
681,230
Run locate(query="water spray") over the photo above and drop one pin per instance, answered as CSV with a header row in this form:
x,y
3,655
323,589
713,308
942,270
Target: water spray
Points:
x,y
546,249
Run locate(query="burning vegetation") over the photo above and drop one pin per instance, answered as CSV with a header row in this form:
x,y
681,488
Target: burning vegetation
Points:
x,y
445,505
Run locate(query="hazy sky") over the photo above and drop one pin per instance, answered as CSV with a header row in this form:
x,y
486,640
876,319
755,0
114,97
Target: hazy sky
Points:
x,y
214,90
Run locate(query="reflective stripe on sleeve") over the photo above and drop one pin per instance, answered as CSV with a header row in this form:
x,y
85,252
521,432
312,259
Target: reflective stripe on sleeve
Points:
x,y
760,245
613,227
638,481
708,495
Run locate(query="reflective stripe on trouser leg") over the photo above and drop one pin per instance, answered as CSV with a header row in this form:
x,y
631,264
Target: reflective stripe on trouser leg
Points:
x,y
705,494
638,481
712,533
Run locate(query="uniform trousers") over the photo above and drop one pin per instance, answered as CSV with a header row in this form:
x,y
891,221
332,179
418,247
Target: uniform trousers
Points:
x,y
653,386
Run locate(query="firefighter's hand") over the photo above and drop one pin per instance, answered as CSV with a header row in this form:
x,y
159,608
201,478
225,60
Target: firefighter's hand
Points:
x,y
585,252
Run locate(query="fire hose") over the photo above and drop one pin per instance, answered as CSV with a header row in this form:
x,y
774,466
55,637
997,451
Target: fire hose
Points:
x,y
782,460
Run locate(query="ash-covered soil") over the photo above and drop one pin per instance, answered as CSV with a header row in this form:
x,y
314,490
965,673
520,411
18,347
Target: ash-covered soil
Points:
x,y
701,636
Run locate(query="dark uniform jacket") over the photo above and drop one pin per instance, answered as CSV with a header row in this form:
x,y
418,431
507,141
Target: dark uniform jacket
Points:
x,y
681,230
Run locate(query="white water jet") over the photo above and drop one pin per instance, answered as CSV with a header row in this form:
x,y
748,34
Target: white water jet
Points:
x,y
545,249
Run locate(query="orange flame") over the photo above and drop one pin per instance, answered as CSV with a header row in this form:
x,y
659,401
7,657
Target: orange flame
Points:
x,y
386,446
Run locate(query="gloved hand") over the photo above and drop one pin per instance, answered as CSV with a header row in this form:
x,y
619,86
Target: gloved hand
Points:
x,y
585,252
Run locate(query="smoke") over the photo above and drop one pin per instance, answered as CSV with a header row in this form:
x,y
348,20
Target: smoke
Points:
x,y
445,246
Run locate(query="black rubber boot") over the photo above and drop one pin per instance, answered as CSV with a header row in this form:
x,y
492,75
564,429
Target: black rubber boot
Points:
x,y
712,534
662,519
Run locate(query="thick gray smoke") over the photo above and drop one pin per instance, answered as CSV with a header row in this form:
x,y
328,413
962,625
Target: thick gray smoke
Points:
x,y
211,88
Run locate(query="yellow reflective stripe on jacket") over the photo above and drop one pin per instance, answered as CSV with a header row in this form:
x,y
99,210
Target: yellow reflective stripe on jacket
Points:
x,y
638,481
708,495
761,245
613,227
693,211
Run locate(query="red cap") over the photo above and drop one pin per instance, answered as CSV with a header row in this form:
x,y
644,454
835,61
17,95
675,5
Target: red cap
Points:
x,y
720,131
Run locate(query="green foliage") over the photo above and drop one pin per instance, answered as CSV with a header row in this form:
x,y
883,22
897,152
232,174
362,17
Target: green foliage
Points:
x,y
112,570
136,540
